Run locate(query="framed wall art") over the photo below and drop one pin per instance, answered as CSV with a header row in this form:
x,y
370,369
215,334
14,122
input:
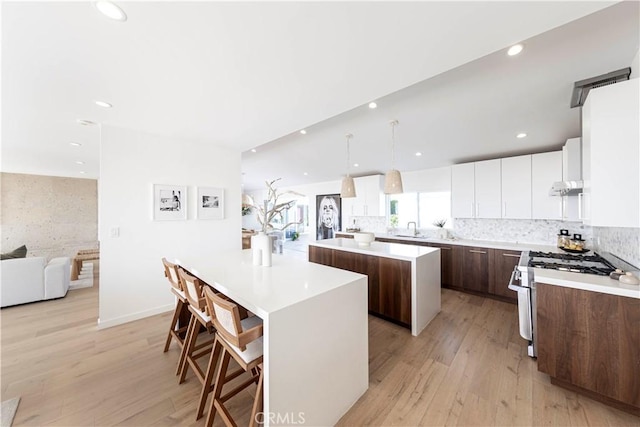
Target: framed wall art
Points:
x,y
169,202
328,207
210,203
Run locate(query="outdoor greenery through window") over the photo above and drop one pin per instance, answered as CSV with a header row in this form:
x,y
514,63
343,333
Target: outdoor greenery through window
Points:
x,y
422,208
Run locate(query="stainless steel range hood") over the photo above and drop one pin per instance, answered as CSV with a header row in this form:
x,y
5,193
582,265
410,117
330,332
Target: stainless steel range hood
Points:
x,y
571,170
564,188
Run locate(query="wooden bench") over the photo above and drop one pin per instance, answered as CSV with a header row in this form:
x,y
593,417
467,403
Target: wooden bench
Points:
x,y
82,256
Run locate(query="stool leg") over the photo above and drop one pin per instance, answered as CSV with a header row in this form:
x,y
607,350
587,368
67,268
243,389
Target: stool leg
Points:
x,y
257,403
174,322
185,345
192,343
217,391
206,386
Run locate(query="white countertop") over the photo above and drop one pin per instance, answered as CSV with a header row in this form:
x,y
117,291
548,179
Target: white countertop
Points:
x,y
512,246
586,282
387,250
264,290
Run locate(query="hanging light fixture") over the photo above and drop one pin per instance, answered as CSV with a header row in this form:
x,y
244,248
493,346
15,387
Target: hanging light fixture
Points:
x,y
348,186
393,180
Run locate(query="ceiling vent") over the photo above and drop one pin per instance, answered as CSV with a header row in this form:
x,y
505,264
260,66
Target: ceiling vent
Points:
x,y
581,89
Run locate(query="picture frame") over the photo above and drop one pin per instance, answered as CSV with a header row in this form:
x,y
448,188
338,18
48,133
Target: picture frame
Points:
x,y
210,203
169,202
328,215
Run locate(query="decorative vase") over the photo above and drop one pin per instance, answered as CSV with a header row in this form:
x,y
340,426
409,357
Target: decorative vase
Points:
x,y
261,247
444,233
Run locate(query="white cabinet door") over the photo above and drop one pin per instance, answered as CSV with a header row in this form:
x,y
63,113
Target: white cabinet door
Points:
x,y
374,198
516,187
546,168
614,130
488,189
462,191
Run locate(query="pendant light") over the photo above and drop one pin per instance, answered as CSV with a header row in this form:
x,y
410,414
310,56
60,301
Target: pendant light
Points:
x,y
348,186
393,180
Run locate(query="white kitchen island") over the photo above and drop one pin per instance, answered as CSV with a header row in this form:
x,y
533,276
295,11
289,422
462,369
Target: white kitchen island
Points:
x,y
404,280
315,332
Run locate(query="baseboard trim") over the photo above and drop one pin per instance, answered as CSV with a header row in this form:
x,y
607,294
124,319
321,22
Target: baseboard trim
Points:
x,y
134,316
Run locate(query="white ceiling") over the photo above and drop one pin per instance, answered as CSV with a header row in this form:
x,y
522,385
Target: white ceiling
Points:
x,y
244,75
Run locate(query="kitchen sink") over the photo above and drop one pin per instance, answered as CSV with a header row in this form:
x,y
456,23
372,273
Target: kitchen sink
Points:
x,y
412,236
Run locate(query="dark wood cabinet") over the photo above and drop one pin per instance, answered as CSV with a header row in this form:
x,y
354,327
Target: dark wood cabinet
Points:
x,y
320,256
395,289
389,280
501,265
475,269
590,342
363,264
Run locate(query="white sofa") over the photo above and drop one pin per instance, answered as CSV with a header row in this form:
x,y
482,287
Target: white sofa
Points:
x,y
29,279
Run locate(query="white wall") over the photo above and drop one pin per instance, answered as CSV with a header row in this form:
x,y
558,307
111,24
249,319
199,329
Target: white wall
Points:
x,y
427,180
132,284
635,66
311,191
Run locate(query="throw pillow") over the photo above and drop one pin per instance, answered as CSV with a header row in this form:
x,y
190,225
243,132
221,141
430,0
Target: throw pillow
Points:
x,y
20,252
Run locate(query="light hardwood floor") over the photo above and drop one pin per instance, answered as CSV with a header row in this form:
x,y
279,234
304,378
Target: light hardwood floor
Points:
x,y
469,367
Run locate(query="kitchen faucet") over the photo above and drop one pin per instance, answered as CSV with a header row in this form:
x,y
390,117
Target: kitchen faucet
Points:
x,y
415,227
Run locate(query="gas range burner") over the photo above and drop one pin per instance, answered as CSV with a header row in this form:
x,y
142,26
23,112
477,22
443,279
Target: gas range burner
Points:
x,y
589,264
600,271
567,257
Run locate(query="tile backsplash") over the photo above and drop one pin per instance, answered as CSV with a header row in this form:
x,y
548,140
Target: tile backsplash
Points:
x,y
535,231
622,242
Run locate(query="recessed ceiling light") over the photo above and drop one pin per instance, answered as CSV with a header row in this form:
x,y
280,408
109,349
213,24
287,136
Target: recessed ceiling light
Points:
x,y
418,154
305,174
82,172
85,122
372,105
103,104
253,150
355,165
79,162
515,49
304,132
521,135
75,144
110,10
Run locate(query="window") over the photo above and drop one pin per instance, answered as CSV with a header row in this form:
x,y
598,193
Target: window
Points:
x,y
423,208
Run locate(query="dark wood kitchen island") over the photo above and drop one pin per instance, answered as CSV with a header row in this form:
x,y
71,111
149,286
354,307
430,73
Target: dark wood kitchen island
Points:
x,y
404,280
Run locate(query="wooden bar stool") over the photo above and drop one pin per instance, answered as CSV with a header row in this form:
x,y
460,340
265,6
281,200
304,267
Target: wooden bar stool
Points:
x,y
171,273
245,346
247,323
191,351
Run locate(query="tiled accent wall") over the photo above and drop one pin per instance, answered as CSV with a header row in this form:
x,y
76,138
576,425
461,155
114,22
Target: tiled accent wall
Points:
x,y
622,242
53,216
541,232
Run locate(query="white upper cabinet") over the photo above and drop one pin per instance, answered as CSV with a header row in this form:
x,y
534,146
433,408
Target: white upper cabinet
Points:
x,y
546,168
369,200
611,151
516,187
488,189
462,191
475,190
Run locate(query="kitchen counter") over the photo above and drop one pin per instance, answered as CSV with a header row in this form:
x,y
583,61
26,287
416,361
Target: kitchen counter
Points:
x,y
511,246
404,280
587,282
388,250
313,316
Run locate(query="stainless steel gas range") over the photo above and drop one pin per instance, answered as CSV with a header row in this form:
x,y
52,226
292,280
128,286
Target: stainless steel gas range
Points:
x,y
523,282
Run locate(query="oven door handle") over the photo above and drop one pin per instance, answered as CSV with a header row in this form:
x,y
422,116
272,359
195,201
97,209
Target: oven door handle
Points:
x,y
524,305
515,275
